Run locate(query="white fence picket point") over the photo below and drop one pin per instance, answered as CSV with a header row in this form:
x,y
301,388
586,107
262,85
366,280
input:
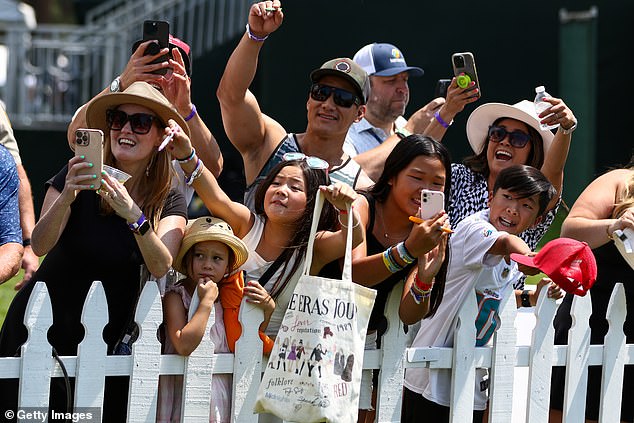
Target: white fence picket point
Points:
x,y
463,372
577,361
247,368
503,363
199,367
146,356
613,358
540,359
91,352
391,371
37,364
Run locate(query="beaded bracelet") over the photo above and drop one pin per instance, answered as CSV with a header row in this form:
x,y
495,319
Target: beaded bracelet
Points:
x,y
255,37
441,121
416,296
404,254
191,114
198,171
188,158
421,286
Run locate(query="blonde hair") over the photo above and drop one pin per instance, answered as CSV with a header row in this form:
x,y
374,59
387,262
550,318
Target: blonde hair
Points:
x,y
154,187
626,197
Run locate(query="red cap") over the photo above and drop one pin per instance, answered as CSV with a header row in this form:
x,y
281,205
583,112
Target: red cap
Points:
x,y
568,262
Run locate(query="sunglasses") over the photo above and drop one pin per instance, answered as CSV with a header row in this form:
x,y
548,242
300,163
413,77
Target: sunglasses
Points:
x,y
140,123
342,97
517,139
312,161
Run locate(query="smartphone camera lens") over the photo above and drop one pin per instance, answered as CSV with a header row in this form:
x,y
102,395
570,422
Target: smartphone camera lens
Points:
x,y
459,61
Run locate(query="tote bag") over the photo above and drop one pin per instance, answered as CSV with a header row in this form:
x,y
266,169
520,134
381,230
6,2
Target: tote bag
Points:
x,y
314,369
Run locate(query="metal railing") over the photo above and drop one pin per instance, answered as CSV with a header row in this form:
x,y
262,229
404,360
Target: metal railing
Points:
x,y
53,69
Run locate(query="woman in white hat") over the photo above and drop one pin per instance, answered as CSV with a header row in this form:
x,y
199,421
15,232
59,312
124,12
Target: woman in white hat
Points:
x,y
105,234
502,135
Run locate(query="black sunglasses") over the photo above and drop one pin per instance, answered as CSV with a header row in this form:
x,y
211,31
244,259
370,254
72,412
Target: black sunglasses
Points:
x,y
517,139
140,123
342,97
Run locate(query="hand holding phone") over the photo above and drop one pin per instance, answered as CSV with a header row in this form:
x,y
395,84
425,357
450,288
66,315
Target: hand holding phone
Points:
x,y
159,31
464,70
89,143
431,203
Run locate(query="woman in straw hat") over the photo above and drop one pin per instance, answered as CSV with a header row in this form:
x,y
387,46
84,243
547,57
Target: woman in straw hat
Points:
x,y
502,135
105,234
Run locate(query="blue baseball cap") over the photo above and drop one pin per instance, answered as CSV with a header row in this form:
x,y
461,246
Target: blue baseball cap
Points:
x,y
382,59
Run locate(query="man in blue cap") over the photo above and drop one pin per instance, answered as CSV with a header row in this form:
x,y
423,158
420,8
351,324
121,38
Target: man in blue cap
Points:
x,y
389,95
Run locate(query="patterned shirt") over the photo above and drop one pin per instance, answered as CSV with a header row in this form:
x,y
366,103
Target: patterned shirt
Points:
x,y
362,136
10,230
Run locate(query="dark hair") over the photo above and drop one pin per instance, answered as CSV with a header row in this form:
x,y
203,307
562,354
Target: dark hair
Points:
x,y
526,181
313,178
479,163
401,156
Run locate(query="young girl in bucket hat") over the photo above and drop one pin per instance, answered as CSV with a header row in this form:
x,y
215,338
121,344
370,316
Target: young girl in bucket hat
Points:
x,y
210,257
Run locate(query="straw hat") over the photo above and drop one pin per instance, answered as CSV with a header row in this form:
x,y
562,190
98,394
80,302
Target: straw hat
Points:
x,y
484,116
140,93
211,229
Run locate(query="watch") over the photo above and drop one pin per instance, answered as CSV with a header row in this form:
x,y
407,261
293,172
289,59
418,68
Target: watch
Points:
x,y
141,226
115,85
569,130
402,133
526,299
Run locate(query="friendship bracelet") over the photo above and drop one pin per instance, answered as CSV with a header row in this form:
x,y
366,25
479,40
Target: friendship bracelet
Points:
x,y
404,254
188,158
196,173
441,121
391,265
607,231
255,37
342,224
422,286
191,115
417,297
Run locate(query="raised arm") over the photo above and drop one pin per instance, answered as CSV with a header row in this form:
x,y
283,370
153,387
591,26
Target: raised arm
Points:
x,y
254,134
555,160
590,218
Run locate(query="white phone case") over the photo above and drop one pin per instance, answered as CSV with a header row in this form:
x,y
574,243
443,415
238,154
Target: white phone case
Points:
x,y
431,203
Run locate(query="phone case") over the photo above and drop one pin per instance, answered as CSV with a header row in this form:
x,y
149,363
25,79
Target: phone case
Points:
x,y
157,30
89,143
465,63
441,88
431,203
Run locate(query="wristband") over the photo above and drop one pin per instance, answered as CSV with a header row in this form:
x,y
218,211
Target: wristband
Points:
x,y
191,114
607,231
141,226
421,286
526,299
416,296
441,121
26,242
188,158
198,171
404,254
391,265
255,37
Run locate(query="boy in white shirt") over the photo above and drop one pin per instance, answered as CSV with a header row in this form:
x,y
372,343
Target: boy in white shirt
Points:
x,y
479,259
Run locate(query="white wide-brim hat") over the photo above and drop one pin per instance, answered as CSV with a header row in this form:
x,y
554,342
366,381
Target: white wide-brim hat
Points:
x,y
484,116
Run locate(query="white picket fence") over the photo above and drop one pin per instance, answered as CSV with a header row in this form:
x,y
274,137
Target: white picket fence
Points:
x,y
36,366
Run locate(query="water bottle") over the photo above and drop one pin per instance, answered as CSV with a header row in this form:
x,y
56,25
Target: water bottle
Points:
x,y
541,105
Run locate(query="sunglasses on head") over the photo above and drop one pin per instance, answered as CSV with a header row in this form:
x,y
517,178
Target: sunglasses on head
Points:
x,y
517,139
140,123
342,97
312,161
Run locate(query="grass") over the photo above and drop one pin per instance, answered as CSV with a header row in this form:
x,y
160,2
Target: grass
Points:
x,y
7,293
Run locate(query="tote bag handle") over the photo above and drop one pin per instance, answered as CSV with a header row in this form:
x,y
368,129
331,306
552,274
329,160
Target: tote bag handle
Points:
x,y
346,274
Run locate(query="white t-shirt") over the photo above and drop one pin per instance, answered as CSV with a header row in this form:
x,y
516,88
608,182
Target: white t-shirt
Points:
x,y
469,265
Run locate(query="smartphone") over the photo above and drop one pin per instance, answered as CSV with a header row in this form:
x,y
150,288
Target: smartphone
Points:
x,y
431,203
465,63
89,143
159,31
441,88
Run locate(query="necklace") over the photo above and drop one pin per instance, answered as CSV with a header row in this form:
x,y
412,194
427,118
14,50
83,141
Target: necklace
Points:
x,y
386,235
